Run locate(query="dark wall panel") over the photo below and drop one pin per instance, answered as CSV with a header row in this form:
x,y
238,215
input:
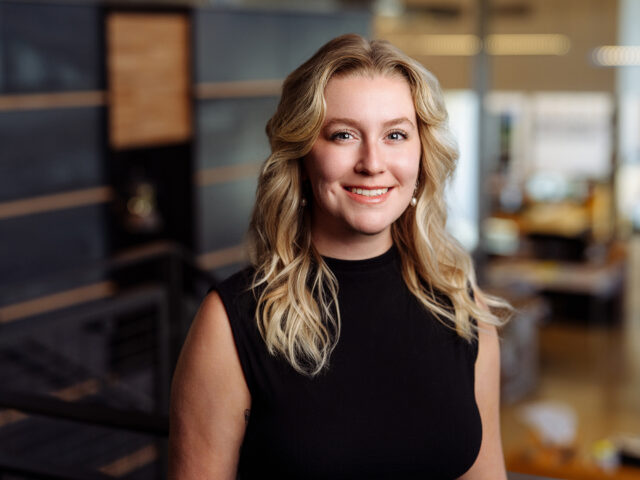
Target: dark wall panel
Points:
x,y
48,151
231,131
233,46
227,270
237,46
307,33
43,245
224,212
49,47
3,68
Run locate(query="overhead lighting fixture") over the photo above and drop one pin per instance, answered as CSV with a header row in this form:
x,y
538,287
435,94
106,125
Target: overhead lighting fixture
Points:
x,y
445,45
468,45
617,56
528,44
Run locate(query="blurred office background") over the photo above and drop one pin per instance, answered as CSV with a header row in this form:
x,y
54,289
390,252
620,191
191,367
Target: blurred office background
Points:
x,y
131,134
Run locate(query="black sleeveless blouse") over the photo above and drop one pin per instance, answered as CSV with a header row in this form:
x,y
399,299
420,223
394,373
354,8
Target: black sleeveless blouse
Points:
x,y
396,402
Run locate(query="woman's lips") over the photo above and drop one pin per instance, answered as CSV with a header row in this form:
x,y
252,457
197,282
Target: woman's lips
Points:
x,y
368,194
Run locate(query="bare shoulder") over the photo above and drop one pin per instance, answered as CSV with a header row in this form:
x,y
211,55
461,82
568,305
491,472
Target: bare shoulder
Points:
x,y
209,399
488,338
489,464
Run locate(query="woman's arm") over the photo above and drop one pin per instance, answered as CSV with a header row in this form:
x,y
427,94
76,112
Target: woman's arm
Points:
x,y
490,462
210,400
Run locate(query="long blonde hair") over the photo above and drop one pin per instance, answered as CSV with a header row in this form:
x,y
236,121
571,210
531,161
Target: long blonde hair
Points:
x,y
297,308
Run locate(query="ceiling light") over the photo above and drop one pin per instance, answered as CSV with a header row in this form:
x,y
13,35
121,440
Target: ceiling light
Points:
x,y
447,45
468,45
617,55
528,44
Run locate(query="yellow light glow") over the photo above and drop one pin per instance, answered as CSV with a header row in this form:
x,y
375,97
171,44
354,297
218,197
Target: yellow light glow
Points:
x,y
528,44
617,55
468,45
446,45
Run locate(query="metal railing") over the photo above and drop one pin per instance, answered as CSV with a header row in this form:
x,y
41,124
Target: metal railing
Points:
x,y
160,281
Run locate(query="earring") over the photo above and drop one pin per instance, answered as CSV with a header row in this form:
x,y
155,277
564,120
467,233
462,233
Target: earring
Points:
x,y
414,200
303,202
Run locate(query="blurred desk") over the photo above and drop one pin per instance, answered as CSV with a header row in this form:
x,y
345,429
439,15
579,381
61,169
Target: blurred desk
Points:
x,y
600,280
602,283
524,476
546,464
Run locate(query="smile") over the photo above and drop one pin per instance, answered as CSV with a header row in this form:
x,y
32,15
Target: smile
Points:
x,y
375,192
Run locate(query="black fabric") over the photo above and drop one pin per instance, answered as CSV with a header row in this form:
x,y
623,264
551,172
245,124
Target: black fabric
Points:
x,y
397,400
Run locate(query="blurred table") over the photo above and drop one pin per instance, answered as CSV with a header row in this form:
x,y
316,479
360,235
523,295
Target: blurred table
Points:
x,y
601,283
553,465
523,476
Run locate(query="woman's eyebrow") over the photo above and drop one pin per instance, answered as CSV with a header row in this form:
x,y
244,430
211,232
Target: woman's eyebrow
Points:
x,y
398,121
340,121
353,123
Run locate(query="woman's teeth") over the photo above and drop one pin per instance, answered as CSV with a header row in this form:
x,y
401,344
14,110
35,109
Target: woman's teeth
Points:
x,y
369,193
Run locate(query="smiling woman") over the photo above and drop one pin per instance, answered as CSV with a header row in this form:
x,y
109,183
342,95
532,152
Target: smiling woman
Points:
x,y
358,339
363,168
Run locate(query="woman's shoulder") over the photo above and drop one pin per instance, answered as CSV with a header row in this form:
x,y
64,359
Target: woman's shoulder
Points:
x,y
240,277
236,285
239,298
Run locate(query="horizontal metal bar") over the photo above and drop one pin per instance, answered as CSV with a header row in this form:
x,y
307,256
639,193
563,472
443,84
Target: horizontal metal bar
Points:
x,y
136,256
227,173
33,470
138,297
56,201
134,421
238,89
48,100
57,301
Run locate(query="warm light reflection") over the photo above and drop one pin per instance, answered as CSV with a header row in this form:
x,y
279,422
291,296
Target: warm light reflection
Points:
x,y
467,45
528,44
446,45
617,55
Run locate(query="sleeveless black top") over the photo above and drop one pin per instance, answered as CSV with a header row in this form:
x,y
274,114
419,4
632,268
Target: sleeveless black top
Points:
x,y
396,402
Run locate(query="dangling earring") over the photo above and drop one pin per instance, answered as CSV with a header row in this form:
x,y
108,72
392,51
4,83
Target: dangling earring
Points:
x,y
414,200
306,191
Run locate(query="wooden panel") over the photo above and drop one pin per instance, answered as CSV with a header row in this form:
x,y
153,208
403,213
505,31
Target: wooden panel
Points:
x,y
149,83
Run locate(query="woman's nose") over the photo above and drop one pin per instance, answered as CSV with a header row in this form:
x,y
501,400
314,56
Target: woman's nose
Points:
x,y
371,159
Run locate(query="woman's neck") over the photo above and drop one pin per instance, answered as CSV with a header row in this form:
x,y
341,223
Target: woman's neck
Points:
x,y
357,247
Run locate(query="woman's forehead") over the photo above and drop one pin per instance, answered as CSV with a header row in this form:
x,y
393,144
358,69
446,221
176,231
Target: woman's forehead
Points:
x,y
377,96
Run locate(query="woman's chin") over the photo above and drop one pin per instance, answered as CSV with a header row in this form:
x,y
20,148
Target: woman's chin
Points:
x,y
372,229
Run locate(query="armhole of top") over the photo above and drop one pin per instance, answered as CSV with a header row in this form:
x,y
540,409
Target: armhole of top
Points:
x,y
241,337
475,342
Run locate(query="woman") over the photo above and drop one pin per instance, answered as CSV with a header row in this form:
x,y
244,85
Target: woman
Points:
x,y
353,346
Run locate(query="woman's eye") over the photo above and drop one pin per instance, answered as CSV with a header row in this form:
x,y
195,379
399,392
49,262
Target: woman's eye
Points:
x,y
396,136
342,136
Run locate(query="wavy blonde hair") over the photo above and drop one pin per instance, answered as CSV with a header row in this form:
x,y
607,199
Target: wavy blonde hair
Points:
x,y
297,307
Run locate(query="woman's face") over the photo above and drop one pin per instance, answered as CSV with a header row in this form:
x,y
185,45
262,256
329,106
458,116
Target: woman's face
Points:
x,y
364,165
